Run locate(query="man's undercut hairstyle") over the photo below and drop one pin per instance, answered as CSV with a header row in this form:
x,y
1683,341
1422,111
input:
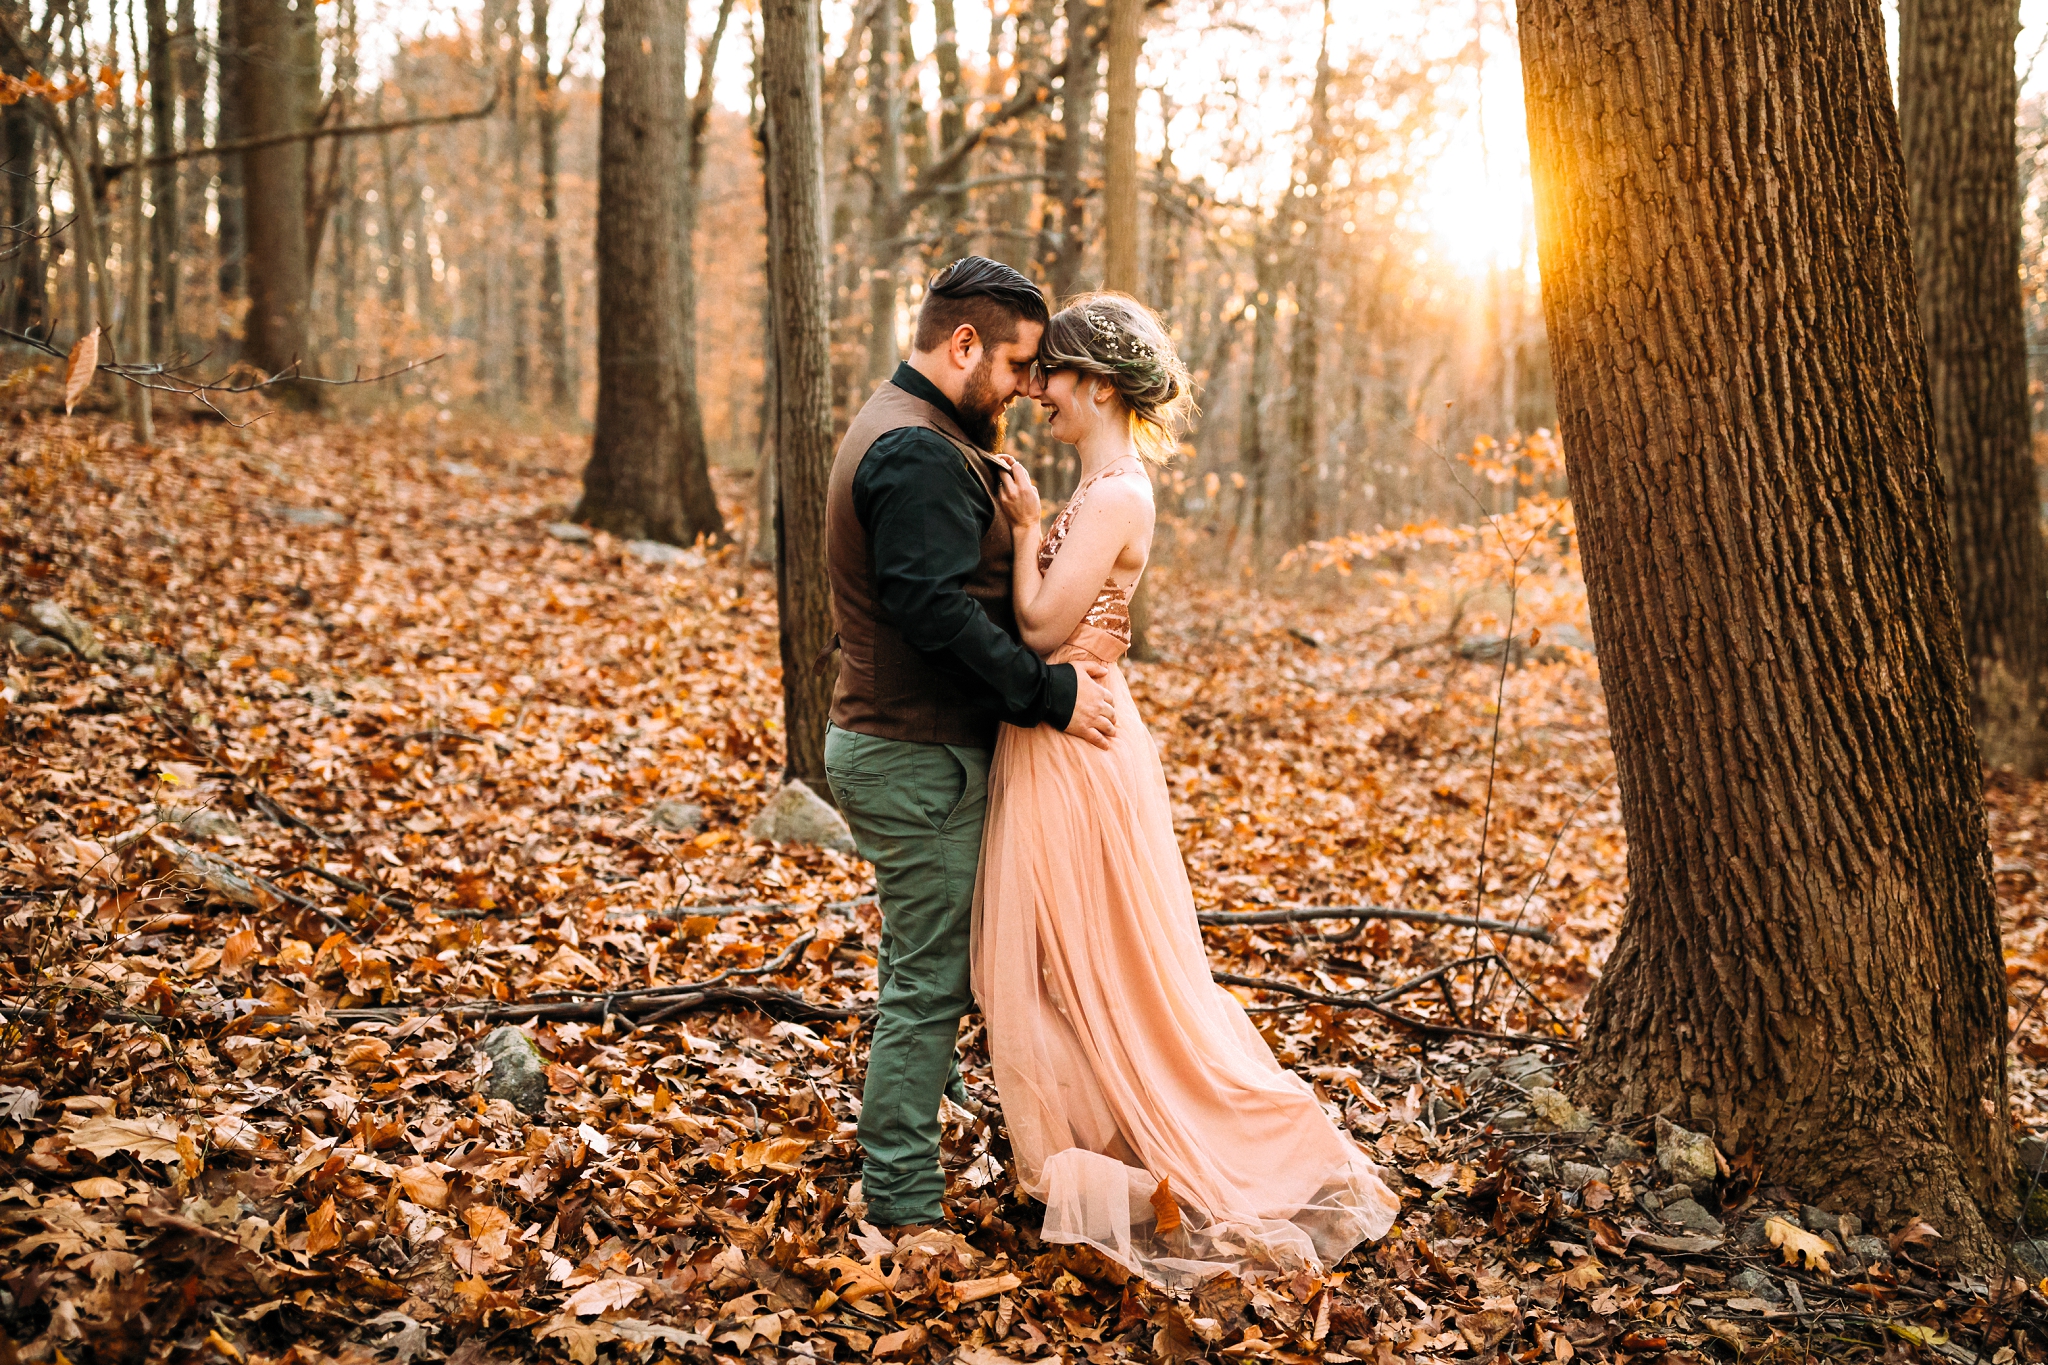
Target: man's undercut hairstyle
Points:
x,y
988,295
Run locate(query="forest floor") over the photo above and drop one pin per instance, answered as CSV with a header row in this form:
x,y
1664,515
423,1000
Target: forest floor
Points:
x,y
370,763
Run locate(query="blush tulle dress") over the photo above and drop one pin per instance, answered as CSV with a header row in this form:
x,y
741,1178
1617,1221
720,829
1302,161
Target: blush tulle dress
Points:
x,y
1120,1063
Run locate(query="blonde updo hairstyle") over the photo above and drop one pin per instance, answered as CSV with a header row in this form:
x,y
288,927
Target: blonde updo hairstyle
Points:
x,y
1118,341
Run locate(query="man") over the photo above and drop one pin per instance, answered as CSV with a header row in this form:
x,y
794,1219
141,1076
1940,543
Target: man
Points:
x,y
929,664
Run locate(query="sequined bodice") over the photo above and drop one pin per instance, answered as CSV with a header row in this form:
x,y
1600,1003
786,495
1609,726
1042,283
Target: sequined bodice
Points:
x,y
1111,610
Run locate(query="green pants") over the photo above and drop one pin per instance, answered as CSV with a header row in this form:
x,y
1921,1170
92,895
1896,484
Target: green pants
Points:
x,y
916,813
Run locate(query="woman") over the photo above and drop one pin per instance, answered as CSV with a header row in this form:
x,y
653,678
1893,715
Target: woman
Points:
x,y
1137,1094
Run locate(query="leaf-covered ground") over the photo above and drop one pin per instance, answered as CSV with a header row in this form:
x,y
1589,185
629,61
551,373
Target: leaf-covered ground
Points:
x,y
373,764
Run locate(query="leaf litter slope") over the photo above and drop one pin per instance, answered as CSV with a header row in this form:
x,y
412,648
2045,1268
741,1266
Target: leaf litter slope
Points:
x,y
371,749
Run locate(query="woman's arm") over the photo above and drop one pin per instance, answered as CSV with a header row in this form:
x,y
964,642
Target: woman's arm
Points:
x,y
1017,499
1116,518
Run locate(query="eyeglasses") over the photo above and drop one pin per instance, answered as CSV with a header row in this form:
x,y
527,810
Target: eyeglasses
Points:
x,y
1042,372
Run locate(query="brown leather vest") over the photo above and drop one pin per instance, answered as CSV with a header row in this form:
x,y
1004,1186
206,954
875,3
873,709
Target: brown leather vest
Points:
x,y
886,688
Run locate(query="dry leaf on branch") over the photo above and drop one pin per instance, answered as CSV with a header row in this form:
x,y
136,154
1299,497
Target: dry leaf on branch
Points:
x,y
79,367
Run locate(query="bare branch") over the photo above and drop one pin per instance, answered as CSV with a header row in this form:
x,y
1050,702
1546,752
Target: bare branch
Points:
x,y
114,169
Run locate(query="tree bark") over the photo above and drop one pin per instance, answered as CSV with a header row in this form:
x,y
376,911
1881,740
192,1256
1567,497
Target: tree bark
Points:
x,y
647,477
192,181
554,322
277,74
1809,965
1251,441
955,228
1305,340
803,369
1120,148
165,228
885,102
28,306
1958,100
1067,245
228,241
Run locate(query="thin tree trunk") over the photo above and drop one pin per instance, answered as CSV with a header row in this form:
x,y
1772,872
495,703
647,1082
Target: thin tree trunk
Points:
x,y
135,331
1305,342
230,245
166,226
646,478
1120,148
1958,98
954,225
1809,965
278,73
27,297
796,244
1067,245
554,322
885,101
1251,441
192,180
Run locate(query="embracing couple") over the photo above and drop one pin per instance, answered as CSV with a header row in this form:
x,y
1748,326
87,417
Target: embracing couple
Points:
x,y
987,755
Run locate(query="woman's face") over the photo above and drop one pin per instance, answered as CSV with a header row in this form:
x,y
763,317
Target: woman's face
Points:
x,y
1073,403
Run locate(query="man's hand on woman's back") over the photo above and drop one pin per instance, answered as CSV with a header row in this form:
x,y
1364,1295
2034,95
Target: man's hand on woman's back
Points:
x,y
1094,717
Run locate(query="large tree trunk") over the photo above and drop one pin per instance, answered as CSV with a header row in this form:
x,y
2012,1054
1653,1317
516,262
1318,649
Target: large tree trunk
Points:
x,y
955,228
1958,96
803,371
28,306
647,477
166,227
1809,965
277,72
195,173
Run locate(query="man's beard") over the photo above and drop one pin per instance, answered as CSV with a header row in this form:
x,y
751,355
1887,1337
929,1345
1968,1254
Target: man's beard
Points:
x,y
982,414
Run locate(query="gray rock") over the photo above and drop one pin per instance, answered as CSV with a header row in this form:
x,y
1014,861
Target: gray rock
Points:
x,y
2032,1158
1539,1164
518,1072
30,645
1754,1233
2032,1253
1558,1112
1575,1175
312,516
1672,1193
1511,1120
1620,1149
72,630
798,815
1477,1077
1649,1203
1526,1068
569,531
1872,1250
677,817
1685,1156
654,552
1688,1214
1820,1220
1757,1285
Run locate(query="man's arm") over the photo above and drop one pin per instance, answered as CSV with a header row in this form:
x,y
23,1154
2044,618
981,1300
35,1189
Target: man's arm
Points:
x,y
923,517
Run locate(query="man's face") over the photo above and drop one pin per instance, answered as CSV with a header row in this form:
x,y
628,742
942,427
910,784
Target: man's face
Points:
x,y
1003,373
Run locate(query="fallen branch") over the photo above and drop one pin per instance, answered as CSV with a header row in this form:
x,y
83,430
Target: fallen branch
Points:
x,y
1291,913
237,883
1371,1006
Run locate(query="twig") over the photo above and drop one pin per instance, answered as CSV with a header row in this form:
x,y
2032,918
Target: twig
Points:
x,y
1291,913
1359,1002
781,960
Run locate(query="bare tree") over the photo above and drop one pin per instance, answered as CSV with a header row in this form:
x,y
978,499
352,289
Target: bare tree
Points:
x,y
647,477
1809,964
790,95
276,76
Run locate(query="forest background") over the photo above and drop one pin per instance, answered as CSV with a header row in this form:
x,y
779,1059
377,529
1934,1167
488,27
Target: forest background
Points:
x,y
455,741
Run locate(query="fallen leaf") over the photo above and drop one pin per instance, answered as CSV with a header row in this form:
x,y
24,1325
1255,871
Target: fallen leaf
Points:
x,y
321,1232
909,1341
98,1187
1796,1243
150,1139
423,1186
601,1296
1165,1211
